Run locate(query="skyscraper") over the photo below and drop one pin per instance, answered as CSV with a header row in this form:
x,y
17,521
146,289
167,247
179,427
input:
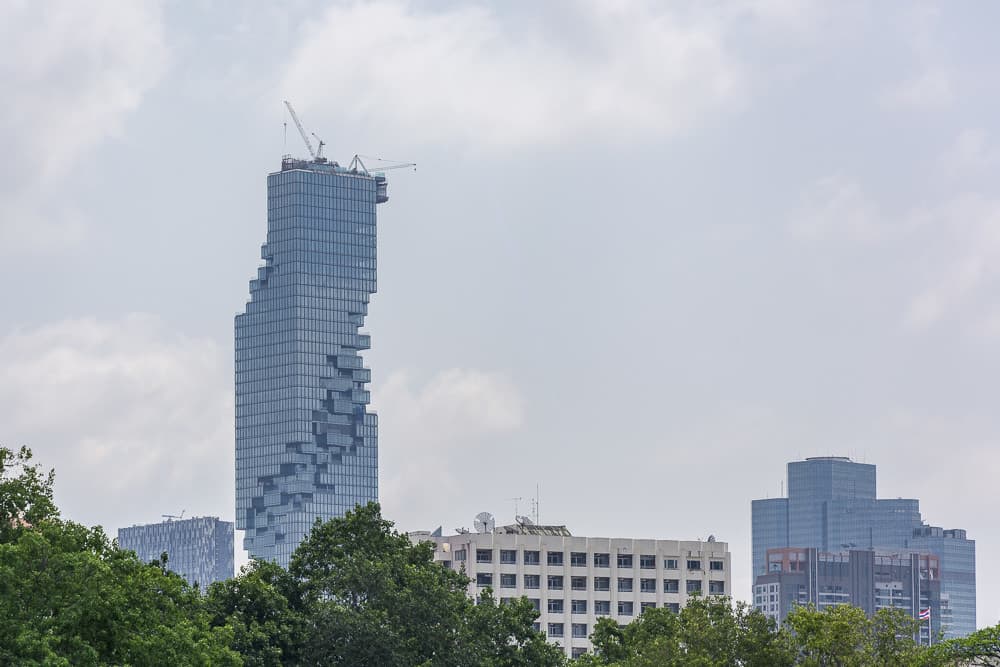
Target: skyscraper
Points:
x,y
200,549
306,445
832,507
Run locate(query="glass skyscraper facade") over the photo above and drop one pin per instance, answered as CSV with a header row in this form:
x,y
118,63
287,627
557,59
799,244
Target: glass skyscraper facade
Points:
x,y
832,507
306,444
199,549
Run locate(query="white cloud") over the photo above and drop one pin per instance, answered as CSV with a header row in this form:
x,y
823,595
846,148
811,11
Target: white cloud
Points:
x,y
134,418
966,234
72,71
930,89
435,438
837,208
467,77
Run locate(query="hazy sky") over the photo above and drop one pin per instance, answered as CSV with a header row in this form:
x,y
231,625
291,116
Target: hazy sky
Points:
x,y
652,251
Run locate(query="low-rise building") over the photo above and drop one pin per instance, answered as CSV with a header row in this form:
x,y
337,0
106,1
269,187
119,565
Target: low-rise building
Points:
x,y
573,581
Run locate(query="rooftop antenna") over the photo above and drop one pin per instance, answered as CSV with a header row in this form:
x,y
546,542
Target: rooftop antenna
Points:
x,y
302,131
516,500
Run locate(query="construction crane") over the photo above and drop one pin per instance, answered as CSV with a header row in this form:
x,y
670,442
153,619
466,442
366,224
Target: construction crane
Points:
x,y
319,149
358,165
302,131
171,517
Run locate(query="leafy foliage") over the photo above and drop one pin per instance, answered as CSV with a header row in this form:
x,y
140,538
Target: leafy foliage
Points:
x,y
707,632
69,596
359,593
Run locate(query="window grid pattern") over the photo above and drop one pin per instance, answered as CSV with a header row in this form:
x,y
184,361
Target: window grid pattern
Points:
x,y
306,444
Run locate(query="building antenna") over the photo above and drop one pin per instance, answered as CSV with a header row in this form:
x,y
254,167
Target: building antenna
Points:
x,y
516,500
538,501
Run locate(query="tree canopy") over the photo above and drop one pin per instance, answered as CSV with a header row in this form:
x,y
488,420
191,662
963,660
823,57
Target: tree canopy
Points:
x,y
359,593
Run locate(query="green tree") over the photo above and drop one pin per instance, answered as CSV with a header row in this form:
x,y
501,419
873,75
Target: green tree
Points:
x,y
501,635
372,597
262,606
69,596
980,648
837,636
707,632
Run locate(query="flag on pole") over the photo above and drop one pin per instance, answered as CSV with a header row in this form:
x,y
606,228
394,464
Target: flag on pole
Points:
x,y
925,614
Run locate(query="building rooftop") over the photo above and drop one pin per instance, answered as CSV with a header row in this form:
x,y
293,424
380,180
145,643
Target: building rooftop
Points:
x,y
533,529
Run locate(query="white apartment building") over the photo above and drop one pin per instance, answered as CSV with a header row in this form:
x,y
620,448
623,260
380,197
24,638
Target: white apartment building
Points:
x,y
573,581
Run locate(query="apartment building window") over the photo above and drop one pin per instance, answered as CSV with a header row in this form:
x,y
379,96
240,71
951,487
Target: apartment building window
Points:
x,y
643,606
717,587
578,606
555,606
508,581
694,564
675,607
624,560
602,583
555,582
579,651
669,563
536,626
580,630
460,554
694,585
602,560
506,600
554,557
484,579
532,581
484,555
578,583
671,585
508,556
602,607
647,585
446,563
624,584
536,603
531,557
578,558
626,608
716,565
555,629
647,562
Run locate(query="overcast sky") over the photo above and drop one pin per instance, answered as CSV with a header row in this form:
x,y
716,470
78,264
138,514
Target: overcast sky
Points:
x,y
652,251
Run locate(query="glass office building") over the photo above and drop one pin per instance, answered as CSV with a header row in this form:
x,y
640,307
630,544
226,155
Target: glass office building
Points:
x,y
306,444
832,507
199,549
958,577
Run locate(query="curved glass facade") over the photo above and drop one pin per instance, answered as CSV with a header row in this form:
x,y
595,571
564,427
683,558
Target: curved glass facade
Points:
x,y
306,444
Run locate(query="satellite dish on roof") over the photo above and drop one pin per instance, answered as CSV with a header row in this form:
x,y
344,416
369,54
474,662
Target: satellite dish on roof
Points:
x,y
485,523
524,521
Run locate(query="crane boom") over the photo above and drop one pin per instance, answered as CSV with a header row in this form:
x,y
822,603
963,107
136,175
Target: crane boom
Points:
x,y
302,130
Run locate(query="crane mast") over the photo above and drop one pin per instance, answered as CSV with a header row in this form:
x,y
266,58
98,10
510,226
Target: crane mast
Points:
x,y
302,131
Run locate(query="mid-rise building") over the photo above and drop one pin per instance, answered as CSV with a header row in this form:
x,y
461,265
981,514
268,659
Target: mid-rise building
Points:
x,y
306,443
865,578
572,581
958,574
200,549
832,507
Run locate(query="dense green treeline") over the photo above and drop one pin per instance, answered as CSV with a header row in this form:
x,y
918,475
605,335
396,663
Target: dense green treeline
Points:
x,y
359,593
